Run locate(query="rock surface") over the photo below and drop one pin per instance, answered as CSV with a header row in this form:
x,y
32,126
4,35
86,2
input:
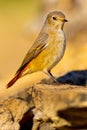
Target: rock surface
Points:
x,y
45,107
14,109
60,106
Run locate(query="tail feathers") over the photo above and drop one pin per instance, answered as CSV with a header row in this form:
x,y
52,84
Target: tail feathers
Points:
x,y
13,80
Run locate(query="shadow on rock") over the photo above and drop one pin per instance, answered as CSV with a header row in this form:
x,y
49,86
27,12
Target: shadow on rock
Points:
x,y
74,78
76,116
78,77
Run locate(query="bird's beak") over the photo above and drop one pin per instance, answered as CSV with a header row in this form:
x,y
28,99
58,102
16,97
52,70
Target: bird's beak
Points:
x,y
65,20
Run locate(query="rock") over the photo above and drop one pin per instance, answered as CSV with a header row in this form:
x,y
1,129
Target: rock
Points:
x,y
46,126
15,110
45,107
59,106
6,119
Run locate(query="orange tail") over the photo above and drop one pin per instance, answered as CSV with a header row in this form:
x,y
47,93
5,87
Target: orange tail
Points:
x,y
13,80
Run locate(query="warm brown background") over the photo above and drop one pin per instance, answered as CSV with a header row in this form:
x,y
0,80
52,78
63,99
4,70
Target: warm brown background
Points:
x,y
20,23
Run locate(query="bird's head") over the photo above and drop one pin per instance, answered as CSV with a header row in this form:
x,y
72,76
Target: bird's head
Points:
x,y
56,19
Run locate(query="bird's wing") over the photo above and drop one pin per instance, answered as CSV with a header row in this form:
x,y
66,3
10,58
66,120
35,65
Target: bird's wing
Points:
x,y
39,45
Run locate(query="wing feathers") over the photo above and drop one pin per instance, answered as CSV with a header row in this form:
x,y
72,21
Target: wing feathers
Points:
x,y
39,45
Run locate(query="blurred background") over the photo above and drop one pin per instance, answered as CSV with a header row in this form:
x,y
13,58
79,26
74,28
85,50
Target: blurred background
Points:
x,y
20,23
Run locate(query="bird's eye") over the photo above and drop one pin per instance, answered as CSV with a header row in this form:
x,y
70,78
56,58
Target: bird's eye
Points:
x,y
54,18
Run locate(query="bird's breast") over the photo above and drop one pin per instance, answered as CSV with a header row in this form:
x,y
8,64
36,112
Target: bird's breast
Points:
x,y
57,43
56,47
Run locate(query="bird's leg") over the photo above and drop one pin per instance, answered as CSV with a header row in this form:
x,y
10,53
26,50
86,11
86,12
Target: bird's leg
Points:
x,y
52,77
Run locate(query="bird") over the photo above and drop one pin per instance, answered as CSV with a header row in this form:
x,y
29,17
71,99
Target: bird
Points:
x,y
47,50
